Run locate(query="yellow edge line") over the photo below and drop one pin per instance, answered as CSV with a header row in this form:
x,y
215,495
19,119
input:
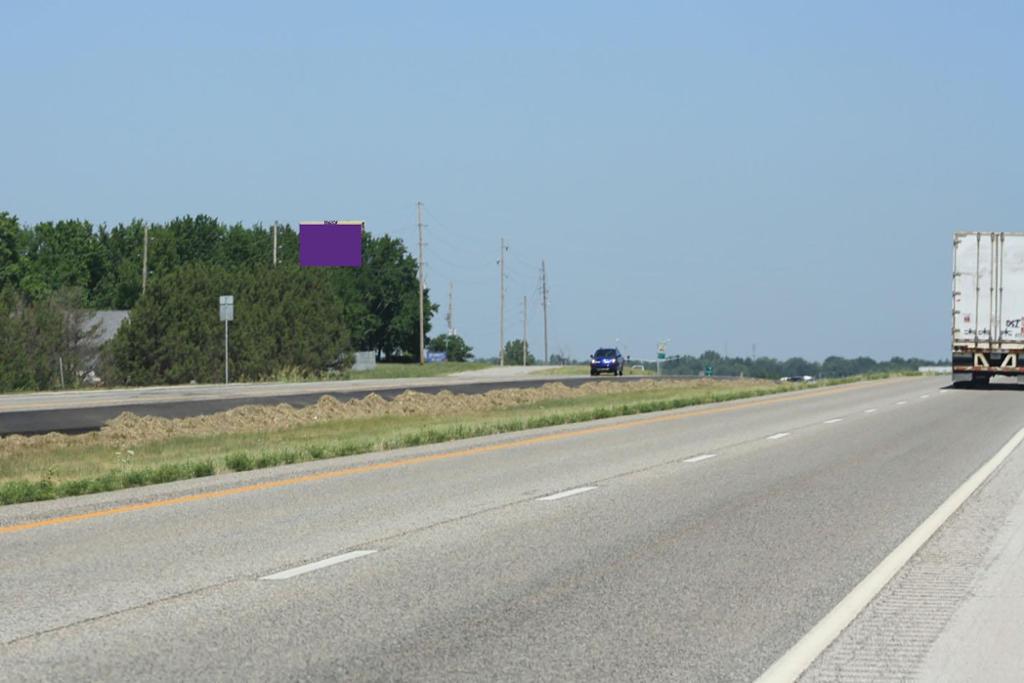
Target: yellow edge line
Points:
x,y
375,467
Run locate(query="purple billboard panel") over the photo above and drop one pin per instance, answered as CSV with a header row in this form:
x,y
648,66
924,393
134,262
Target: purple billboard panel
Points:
x,y
331,243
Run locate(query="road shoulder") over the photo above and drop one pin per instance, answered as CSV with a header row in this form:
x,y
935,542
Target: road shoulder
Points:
x,y
982,640
955,611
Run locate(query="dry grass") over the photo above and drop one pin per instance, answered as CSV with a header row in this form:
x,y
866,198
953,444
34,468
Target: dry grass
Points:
x,y
132,451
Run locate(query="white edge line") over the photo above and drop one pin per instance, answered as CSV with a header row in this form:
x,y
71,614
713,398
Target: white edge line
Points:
x,y
313,566
796,660
780,435
833,420
698,458
570,492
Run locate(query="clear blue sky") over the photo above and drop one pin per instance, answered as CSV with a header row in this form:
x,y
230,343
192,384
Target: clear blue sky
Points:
x,y
785,174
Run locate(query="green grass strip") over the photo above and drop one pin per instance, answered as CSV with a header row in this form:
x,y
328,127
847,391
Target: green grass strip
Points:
x,y
25,491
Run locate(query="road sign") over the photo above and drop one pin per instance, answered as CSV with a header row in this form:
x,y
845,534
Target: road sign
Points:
x,y
227,314
709,370
227,308
660,355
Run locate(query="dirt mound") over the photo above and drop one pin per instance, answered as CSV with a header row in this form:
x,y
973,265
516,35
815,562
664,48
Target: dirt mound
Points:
x,y
128,428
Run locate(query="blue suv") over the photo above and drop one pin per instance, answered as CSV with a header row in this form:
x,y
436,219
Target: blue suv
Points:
x,y
607,360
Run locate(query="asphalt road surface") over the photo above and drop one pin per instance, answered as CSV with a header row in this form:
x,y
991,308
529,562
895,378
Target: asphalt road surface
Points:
x,y
697,544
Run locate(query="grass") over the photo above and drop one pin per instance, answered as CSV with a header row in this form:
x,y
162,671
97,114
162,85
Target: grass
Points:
x,y
41,474
21,491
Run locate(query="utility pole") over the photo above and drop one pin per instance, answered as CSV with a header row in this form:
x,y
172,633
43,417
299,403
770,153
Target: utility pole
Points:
x,y
449,318
544,304
275,243
524,330
419,222
501,306
145,254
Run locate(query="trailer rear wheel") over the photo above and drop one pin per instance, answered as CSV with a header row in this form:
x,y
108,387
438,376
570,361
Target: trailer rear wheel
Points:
x,y
980,380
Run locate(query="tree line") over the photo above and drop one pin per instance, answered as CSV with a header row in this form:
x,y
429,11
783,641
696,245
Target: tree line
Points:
x,y
286,317
771,368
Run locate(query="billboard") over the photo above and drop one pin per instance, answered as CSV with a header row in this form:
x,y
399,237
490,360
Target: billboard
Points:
x,y
331,243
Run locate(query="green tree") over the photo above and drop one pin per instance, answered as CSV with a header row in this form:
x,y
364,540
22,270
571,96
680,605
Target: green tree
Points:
x,y
514,353
288,317
382,298
835,366
376,305
120,284
285,317
40,336
241,246
453,345
9,234
171,337
62,254
287,243
196,239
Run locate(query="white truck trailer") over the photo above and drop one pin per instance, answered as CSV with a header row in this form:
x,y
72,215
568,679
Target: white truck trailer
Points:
x,y
988,306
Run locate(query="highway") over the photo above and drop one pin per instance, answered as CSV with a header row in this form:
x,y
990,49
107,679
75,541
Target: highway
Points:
x,y
698,544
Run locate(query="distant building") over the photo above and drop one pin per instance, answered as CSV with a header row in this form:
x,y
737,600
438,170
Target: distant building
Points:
x,y
106,324
365,360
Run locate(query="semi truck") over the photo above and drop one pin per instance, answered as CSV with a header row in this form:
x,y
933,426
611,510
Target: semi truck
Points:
x,y
988,307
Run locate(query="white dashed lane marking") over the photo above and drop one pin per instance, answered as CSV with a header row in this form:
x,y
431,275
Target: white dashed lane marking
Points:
x,y
570,492
313,566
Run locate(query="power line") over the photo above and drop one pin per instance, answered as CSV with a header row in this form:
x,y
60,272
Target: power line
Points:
x,y
466,238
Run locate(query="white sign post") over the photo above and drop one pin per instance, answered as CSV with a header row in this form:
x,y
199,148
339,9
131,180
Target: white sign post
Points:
x,y
227,314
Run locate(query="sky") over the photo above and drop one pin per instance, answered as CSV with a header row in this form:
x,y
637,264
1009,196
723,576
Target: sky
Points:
x,y
782,175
